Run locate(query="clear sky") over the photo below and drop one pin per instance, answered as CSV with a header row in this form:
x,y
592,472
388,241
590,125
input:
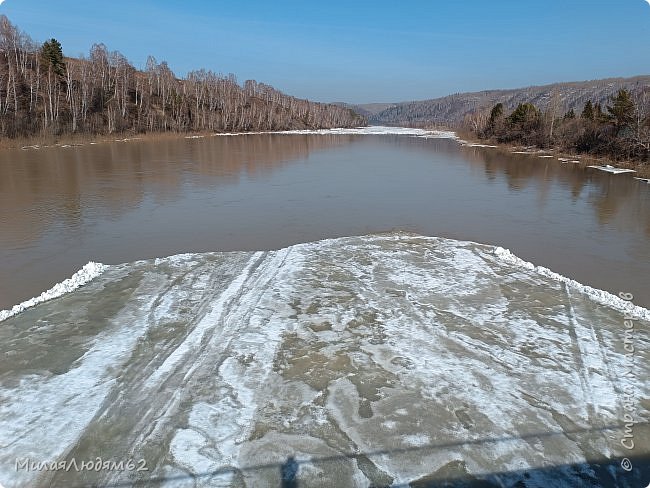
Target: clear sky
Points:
x,y
360,51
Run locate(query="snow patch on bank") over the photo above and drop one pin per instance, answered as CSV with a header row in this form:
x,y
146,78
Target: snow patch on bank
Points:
x,y
599,296
371,130
89,272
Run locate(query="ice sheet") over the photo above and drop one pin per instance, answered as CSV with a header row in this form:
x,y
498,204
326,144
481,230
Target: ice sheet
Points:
x,y
611,169
373,360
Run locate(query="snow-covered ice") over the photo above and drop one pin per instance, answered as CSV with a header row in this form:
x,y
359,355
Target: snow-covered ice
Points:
x,y
370,130
376,360
612,169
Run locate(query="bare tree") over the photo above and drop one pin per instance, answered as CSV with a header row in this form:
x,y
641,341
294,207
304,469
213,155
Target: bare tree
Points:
x,y
105,93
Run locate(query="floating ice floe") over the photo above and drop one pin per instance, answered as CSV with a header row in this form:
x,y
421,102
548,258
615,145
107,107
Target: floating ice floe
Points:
x,y
373,361
645,180
477,145
127,139
612,169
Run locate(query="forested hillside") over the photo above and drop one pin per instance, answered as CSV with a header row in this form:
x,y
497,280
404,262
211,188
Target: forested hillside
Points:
x,y
452,110
43,92
620,129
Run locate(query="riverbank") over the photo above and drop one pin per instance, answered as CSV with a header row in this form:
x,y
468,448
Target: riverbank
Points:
x,y
469,138
466,138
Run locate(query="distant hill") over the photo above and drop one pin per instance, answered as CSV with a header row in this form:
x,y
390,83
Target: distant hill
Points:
x,y
451,109
365,109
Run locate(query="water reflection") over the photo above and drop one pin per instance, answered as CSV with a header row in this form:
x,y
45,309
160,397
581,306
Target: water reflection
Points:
x,y
623,202
54,201
39,189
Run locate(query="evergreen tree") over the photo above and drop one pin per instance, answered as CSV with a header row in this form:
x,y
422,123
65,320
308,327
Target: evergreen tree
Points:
x,y
599,115
588,111
52,56
525,112
621,112
496,113
570,115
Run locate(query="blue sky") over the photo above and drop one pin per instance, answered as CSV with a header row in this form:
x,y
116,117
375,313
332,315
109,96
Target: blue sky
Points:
x,y
357,50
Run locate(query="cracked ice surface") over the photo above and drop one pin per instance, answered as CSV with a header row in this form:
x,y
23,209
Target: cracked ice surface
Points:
x,y
420,356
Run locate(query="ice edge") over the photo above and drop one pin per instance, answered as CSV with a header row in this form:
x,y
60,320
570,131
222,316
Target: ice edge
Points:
x,y
599,296
89,272
92,270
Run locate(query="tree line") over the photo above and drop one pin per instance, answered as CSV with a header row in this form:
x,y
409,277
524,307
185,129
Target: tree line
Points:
x,y
620,130
43,92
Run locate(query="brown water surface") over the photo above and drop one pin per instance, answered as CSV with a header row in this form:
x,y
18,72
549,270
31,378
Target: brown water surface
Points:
x,y
61,207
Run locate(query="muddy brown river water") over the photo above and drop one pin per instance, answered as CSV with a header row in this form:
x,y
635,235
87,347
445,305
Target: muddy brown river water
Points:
x,y
460,337
61,207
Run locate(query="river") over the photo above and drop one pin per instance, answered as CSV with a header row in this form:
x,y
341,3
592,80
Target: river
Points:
x,y
360,308
61,207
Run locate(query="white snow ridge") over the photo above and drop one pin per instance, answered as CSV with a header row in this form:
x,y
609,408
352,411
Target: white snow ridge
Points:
x,y
595,294
90,271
